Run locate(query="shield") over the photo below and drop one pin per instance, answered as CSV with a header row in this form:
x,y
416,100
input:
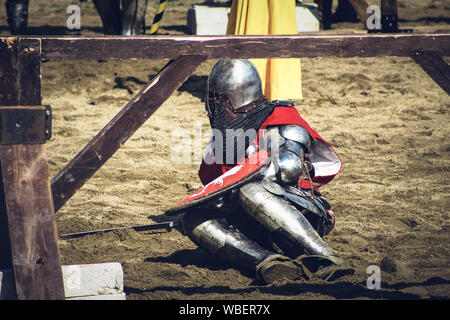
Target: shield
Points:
x,y
233,178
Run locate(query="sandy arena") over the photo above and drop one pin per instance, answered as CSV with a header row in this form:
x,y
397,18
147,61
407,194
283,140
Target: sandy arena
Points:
x,y
385,117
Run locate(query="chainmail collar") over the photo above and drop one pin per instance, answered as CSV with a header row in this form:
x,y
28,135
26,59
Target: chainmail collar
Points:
x,y
237,134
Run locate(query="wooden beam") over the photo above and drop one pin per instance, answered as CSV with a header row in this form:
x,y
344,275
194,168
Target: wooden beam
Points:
x,y
122,127
436,67
31,220
28,200
9,95
243,47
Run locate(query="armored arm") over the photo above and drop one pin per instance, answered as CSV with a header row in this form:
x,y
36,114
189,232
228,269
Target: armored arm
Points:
x,y
288,145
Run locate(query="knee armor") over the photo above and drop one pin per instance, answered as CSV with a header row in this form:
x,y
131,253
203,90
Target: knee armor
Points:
x,y
211,231
290,230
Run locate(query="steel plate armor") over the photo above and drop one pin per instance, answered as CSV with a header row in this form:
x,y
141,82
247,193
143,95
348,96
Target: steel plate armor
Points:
x,y
269,224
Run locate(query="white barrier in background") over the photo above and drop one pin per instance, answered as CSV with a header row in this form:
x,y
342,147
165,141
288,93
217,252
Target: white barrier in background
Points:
x,y
209,20
101,281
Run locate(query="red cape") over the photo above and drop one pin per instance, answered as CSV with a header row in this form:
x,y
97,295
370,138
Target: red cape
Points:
x,y
280,116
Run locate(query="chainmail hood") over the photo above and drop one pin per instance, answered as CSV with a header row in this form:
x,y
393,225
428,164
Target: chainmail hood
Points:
x,y
237,134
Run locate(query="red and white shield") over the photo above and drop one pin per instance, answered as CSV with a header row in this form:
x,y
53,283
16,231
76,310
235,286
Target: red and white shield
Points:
x,y
240,174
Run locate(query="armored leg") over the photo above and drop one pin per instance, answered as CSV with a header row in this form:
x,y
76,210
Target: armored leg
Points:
x,y
213,233
133,17
290,230
110,13
17,12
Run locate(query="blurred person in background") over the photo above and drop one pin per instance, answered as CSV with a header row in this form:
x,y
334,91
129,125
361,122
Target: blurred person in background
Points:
x,y
128,20
17,16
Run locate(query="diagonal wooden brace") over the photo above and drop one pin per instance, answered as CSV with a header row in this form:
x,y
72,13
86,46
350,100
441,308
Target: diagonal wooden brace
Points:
x,y
122,127
436,67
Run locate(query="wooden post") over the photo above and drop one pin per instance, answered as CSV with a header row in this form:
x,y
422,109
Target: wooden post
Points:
x,y
8,96
27,197
121,127
243,47
389,16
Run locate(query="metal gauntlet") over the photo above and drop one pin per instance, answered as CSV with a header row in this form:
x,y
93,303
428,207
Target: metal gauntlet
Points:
x,y
288,145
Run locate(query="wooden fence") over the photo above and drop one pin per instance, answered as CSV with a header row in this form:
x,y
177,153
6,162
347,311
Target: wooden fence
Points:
x,y
28,201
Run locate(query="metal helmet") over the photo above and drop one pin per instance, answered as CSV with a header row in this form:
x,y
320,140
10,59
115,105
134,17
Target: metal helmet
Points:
x,y
237,79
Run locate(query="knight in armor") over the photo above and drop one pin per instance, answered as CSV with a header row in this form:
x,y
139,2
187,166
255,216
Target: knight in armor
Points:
x,y
130,20
273,224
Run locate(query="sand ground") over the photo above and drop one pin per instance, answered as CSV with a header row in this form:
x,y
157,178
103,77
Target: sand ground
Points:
x,y
385,117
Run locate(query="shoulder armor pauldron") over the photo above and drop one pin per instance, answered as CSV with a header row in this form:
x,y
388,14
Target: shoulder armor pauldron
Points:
x,y
296,133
